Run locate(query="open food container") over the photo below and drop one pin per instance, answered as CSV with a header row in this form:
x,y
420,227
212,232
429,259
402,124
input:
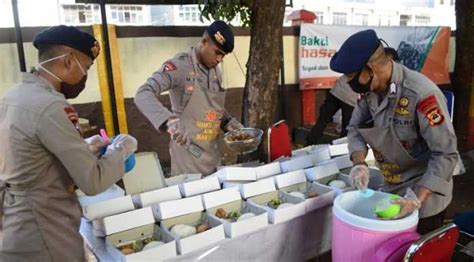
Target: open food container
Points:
x,y
237,217
280,206
122,222
108,207
339,182
156,196
314,195
143,243
192,231
201,186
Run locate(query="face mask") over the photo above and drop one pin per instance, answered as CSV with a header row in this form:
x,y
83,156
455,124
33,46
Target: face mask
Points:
x,y
68,90
359,88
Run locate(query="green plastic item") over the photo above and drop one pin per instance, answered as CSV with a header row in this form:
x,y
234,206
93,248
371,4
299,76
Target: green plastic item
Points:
x,y
385,209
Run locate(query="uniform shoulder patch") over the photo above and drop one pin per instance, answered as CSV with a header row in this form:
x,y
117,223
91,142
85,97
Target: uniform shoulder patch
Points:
x,y
427,104
71,114
430,108
168,66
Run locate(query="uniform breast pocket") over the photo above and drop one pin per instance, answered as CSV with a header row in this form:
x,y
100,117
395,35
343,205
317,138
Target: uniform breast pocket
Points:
x,y
185,99
407,135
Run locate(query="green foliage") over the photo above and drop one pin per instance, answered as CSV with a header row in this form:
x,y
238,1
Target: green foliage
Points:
x,y
226,10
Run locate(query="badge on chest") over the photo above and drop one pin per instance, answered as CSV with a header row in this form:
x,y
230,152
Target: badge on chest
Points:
x,y
402,107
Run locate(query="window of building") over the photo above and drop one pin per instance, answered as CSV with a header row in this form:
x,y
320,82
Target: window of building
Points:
x,y
189,14
126,14
422,20
80,14
404,20
319,17
361,19
339,18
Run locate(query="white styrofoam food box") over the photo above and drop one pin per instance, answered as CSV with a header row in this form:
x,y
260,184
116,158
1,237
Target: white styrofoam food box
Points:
x,y
156,196
145,176
301,152
268,170
125,221
199,186
276,216
160,253
179,179
108,207
220,197
257,188
296,163
325,194
337,150
177,207
234,229
325,180
319,155
236,174
188,244
343,161
288,179
321,170
229,200
342,140
112,192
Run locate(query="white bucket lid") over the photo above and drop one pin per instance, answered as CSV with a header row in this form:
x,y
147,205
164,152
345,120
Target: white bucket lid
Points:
x,y
357,211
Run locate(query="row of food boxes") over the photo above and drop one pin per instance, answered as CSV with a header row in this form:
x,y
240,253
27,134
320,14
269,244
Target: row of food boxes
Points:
x,y
129,225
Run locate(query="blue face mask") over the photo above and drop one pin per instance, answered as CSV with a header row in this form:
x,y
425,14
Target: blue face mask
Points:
x,y
359,88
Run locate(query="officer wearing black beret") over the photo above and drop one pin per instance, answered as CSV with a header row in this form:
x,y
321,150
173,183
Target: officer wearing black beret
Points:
x,y
45,156
403,116
197,113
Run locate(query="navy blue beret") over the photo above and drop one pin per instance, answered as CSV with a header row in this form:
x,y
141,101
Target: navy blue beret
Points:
x,y
355,52
68,36
222,35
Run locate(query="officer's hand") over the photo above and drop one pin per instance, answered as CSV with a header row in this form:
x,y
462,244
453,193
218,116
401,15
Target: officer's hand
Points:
x,y
125,144
96,144
233,125
359,177
177,131
408,204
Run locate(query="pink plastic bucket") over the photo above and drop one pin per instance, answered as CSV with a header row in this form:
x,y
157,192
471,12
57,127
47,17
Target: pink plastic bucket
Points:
x,y
357,233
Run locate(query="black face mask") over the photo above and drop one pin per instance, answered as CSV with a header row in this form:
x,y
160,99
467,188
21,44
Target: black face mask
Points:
x,y
359,88
72,91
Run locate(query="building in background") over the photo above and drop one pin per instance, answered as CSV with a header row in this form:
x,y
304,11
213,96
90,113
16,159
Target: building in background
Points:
x,y
328,12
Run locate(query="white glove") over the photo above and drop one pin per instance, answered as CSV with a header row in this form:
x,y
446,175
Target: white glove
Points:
x,y
177,131
408,204
96,144
359,177
125,144
233,125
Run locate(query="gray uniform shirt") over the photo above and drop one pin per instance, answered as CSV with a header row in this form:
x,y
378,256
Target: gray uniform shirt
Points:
x,y
422,127
176,76
44,156
343,91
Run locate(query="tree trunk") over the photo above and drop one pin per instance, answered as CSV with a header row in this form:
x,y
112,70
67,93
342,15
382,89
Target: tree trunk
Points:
x,y
263,66
463,74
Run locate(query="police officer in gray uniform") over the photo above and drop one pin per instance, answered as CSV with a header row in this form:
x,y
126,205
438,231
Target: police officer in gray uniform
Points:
x,y
404,119
342,97
197,99
44,155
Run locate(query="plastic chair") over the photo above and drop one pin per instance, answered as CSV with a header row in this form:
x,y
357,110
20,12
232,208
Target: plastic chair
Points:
x,y
450,103
279,143
437,245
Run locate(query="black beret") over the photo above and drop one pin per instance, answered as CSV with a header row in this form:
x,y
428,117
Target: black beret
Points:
x,y
222,35
355,52
68,36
